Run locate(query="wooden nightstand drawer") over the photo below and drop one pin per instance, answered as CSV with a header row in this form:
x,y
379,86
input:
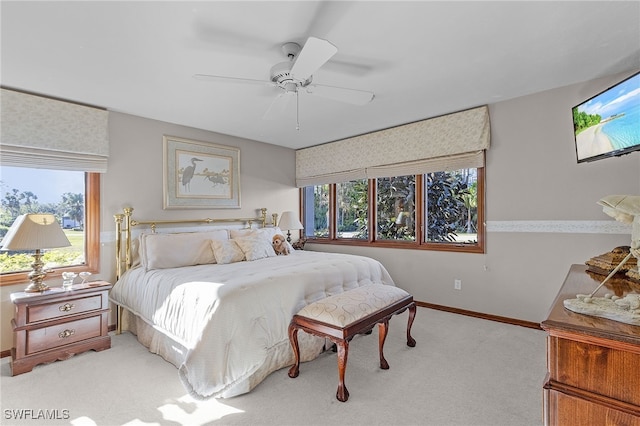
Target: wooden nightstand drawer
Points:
x,y
57,324
63,308
66,333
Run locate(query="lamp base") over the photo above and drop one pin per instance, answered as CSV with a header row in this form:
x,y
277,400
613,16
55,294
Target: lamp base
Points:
x,y
36,288
37,275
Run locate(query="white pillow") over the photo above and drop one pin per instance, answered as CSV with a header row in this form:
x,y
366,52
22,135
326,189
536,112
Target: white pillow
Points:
x,y
158,251
269,232
135,252
226,251
256,246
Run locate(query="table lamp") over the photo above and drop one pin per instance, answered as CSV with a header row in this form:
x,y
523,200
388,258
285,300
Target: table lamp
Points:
x,y
289,221
35,232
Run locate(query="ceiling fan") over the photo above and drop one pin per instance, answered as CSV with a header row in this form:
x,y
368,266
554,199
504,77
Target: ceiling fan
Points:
x,y
296,75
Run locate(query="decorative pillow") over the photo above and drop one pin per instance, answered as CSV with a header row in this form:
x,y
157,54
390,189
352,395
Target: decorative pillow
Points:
x,y
159,251
226,251
256,246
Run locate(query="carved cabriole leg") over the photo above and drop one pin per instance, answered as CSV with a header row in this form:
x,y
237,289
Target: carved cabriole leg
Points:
x,y
343,353
383,328
293,338
411,342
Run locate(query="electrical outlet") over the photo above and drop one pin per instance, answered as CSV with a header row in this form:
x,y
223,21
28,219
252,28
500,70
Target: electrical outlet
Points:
x,y
457,284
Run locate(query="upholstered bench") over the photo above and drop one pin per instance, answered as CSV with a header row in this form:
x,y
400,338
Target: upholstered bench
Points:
x,y
342,316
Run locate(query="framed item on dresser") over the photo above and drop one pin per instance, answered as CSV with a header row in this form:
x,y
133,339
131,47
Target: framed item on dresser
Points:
x,y
200,174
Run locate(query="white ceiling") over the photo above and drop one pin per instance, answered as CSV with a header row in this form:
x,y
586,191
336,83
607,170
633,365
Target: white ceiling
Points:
x,y
421,59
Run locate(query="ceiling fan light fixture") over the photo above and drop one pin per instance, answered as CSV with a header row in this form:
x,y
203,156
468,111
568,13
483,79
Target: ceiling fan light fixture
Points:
x,y
290,87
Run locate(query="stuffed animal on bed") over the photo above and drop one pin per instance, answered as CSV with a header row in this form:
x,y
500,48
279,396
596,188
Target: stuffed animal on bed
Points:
x,y
280,245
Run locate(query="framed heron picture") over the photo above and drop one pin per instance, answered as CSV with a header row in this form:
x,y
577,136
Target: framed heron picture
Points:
x,y
200,175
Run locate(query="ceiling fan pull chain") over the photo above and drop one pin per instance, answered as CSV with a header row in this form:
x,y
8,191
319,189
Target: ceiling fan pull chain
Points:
x,y
297,110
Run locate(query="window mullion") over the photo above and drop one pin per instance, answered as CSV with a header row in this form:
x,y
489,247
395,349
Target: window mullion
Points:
x,y
371,219
420,216
333,213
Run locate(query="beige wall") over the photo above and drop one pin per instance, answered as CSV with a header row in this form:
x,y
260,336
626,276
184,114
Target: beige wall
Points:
x,y
532,175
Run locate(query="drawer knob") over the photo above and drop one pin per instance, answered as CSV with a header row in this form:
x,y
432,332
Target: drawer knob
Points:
x,y
67,307
66,333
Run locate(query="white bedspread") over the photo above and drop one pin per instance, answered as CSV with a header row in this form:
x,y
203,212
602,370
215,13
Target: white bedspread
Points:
x,y
233,318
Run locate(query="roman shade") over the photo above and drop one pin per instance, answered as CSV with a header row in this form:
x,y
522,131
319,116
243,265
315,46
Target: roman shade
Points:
x,y
450,142
46,133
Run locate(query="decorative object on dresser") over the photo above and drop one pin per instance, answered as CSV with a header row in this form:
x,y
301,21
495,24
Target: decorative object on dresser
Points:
x,y
624,208
58,324
289,221
604,263
341,317
35,232
592,363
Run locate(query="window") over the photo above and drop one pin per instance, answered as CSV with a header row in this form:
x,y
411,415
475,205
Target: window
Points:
x,y
435,211
352,205
73,197
316,217
396,208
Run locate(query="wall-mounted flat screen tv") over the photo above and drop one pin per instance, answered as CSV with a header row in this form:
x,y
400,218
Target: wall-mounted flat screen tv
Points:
x,y
608,124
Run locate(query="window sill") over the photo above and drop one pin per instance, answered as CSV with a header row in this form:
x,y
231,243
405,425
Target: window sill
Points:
x,y
458,248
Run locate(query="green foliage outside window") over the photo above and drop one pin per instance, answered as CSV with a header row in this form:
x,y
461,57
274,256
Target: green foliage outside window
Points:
x,y
396,206
446,192
71,206
353,204
449,201
321,211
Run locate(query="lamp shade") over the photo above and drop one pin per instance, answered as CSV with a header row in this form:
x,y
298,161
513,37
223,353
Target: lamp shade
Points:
x,y
33,232
289,220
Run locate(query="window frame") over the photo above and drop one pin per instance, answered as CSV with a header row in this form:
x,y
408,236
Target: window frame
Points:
x,y
92,237
419,243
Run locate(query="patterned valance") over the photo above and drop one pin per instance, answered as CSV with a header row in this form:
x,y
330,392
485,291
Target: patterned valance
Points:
x,y
449,142
46,133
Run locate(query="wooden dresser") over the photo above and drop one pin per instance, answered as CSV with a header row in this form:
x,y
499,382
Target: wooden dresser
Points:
x,y
593,363
57,324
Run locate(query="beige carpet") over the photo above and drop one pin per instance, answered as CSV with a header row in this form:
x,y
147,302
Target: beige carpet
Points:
x,y
463,371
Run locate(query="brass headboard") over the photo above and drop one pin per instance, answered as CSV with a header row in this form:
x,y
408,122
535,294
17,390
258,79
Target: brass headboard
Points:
x,y
125,223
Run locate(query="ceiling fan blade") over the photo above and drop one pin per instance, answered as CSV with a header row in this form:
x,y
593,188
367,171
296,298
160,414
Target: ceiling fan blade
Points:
x,y
206,77
350,96
313,55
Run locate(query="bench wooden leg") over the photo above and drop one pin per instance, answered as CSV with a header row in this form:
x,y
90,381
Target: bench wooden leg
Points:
x,y
383,328
343,352
411,342
293,339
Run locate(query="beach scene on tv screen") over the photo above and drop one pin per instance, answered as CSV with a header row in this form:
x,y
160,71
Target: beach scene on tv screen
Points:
x,y
608,122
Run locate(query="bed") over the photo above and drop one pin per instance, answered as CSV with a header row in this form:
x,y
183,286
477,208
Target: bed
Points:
x,y
220,314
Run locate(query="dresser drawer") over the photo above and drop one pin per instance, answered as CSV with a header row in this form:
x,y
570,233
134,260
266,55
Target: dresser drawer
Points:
x,y
597,369
44,338
47,311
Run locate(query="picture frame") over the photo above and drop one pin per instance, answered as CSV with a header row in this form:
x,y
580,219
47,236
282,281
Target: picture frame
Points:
x,y
199,175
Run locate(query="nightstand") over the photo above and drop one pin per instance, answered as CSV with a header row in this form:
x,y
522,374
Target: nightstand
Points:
x,y
57,324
